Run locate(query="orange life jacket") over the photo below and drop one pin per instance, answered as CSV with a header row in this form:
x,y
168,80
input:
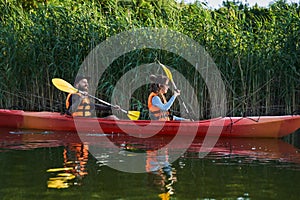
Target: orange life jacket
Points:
x,y
156,112
83,109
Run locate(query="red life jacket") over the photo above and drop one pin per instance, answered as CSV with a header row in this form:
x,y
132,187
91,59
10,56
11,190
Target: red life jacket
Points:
x,y
83,109
156,112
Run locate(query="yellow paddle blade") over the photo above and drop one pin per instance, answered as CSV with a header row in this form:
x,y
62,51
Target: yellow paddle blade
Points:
x,y
167,71
133,115
63,85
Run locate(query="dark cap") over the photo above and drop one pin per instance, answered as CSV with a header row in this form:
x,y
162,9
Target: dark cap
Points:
x,y
80,77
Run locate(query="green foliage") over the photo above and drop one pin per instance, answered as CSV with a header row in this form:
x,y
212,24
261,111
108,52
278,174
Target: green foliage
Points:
x,y
256,49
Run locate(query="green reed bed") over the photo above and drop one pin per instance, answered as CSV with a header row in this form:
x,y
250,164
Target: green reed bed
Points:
x,y
256,50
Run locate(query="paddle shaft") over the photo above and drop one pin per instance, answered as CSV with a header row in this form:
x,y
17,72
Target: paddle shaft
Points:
x,y
186,109
104,102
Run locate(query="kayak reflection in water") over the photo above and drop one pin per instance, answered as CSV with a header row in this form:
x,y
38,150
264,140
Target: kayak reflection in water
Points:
x,y
80,105
161,174
74,169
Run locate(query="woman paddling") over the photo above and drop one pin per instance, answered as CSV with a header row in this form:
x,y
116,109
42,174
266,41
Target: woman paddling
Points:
x,y
157,104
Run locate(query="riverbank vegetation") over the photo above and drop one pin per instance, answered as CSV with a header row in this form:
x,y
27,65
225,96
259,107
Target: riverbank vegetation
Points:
x,y
256,49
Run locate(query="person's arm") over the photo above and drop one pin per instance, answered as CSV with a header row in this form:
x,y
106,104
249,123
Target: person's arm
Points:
x,y
156,101
102,107
106,107
179,118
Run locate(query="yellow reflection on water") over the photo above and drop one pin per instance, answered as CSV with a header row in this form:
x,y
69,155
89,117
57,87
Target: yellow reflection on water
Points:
x,y
75,159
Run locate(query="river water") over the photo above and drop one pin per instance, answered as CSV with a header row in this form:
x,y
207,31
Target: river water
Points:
x,y
60,165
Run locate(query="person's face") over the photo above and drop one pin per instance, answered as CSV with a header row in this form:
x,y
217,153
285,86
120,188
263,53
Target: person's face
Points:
x,y
83,85
165,87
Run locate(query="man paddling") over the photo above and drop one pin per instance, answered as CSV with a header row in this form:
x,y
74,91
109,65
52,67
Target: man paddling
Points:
x,y
80,105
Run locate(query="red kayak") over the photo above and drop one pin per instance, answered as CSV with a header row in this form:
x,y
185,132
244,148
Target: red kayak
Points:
x,y
264,126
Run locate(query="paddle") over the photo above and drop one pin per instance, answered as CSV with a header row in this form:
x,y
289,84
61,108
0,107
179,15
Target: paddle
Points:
x,y
169,75
67,87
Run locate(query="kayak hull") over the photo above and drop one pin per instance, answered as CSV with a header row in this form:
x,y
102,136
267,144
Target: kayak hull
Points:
x,y
264,126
